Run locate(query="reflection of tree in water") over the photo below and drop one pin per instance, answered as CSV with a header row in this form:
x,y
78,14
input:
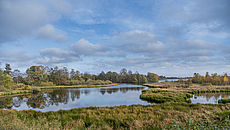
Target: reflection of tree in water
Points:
x,y
75,94
125,89
86,92
6,102
102,91
122,89
17,101
208,96
55,97
58,96
37,101
42,99
10,101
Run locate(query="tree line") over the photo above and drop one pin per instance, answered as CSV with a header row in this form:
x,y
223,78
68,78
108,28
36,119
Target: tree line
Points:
x,y
213,79
47,76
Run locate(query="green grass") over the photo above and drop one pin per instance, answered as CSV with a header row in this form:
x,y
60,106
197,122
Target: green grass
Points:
x,y
161,116
15,92
164,95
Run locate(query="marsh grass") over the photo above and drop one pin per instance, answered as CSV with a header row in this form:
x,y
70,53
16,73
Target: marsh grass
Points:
x,y
224,101
165,95
160,116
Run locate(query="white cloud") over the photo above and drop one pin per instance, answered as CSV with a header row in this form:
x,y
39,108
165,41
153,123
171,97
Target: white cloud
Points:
x,y
84,47
56,56
22,18
74,52
138,41
50,32
17,58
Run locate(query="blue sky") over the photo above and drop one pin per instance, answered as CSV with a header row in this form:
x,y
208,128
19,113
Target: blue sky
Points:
x,y
167,37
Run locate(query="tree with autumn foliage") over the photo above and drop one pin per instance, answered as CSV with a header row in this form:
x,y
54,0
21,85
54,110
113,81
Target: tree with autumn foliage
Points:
x,y
226,79
214,79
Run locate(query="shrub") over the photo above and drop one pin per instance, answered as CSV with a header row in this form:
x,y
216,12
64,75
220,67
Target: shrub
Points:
x,y
2,88
47,84
6,81
23,86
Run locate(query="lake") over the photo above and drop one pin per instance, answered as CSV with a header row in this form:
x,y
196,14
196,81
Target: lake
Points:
x,y
66,99
209,98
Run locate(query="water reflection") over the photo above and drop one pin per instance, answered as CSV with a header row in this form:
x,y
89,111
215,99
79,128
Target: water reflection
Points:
x,y
53,100
209,98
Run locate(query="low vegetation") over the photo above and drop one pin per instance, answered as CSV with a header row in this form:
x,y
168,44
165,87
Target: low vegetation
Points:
x,y
224,101
179,91
161,116
164,95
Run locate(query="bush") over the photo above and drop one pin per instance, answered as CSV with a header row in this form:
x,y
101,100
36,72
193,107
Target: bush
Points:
x,y
36,90
6,81
206,84
98,82
47,84
75,82
2,88
23,86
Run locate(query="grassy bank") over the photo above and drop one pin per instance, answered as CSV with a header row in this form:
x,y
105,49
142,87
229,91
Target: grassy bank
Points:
x,y
76,86
161,116
15,92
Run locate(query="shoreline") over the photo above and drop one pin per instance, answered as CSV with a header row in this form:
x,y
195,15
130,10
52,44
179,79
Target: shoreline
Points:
x,y
76,86
15,92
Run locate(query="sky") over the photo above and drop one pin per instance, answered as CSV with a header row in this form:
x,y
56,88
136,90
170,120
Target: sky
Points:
x,y
167,37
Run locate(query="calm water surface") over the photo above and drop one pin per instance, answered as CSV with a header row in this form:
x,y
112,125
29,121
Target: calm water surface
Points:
x,y
66,99
209,98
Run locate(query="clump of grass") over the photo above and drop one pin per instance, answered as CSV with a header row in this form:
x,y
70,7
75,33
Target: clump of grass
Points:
x,y
164,95
224,101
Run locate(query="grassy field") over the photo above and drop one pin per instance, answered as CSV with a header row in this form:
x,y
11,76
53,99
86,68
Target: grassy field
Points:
x,y
160,116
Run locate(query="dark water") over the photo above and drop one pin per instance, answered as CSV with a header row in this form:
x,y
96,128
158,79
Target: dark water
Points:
x,y
209,98
66,99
